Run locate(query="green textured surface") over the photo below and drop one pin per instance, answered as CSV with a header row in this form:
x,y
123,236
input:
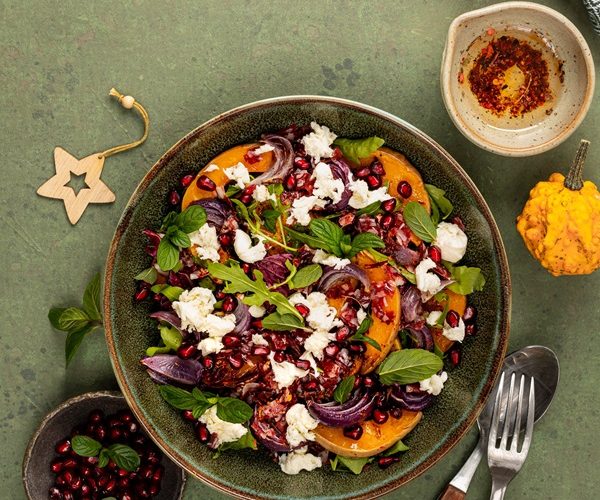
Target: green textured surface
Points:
x,y
189,61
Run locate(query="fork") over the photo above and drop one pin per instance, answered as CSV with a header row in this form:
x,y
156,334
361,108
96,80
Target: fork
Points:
x,y
504,461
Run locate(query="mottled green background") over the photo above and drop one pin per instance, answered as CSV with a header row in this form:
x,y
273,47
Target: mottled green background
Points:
x,y
187,61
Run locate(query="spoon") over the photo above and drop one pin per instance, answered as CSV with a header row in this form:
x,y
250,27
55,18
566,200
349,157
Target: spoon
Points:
x,y
536,361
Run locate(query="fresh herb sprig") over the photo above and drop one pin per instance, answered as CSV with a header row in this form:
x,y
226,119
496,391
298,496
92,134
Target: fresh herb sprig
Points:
x,y
360,335
419,221
349,464
78,321
171,339
441,207
408,366
176,228
124,456
344,389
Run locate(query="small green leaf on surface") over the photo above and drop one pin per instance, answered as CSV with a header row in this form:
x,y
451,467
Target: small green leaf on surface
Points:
x,y
355,149
247,441
124,456
170,292
467,280
54,315
167,255
282,322
270,219
354,465
364,241
72,318
191,219
74,339
439,203
397,448
371,209
91,299
306,276
103,458
177,398
360,335
419,222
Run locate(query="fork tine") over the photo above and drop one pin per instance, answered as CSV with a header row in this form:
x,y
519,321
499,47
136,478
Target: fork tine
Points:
x,y
530,417
496,415
517,429
509,414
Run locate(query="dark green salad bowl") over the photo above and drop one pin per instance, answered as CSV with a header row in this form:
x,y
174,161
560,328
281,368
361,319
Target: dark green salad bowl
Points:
x,y
129,331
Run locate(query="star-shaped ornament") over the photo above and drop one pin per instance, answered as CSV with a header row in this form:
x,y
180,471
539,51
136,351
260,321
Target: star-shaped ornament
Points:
x,y
76,203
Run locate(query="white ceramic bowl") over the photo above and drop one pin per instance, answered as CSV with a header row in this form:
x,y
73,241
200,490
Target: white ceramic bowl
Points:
x,y
532,133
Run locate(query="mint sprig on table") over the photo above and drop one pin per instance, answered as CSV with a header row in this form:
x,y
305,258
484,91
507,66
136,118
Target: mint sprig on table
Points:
x,y
176,227
78,321
124,456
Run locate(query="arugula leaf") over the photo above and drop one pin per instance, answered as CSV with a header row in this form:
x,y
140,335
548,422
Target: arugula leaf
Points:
x,y
124,456
270,219
74,339
354,149
239,282
54,315
408,366
329,234
91,299
241,209
439,200
170,292
419,222
467,280
148,275
234,410
282,322
72,318
177,398
191,219
364,241
167,255
306,276
360,335
371,209
344,389
85,446
354,465
398,447
232,190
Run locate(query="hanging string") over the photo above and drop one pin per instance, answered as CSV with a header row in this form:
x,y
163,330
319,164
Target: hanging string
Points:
x,y
128,102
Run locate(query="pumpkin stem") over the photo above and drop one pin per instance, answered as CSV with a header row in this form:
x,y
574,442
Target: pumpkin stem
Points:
x,y
574,180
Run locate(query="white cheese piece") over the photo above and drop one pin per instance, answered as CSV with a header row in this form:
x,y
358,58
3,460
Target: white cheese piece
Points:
x,y
457,333
433,317
206,243
326,186
452,241
434,384
261,194
210,345
313,364
257,311
245,250
265,148
300,424
226,432
362,196
258,339
301,207
361,315
238,173
326,259
285,373
193,305
211,168
427,282
217,326
318,143
298,460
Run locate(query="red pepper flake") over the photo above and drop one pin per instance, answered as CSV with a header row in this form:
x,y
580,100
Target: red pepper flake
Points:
x,y
487,77
491,31
461,77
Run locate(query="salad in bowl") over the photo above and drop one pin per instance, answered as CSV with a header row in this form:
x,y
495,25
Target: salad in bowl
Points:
x,y
309,299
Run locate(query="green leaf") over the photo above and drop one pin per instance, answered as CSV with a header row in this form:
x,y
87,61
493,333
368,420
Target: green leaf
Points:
x,y
103,458
468,280
282,322
168,220
91,299
124,456
354,465
191,219
365,241
306,276
354,149
241,209
371,209
171,336
344,389
270,219
170,292
153,351
54,315
438,198
408,366
72,318
234,410
232,190
360,335
201,407
177,398
398,447
364,326
148,275
419,222
74,339
245,442
329,234
180,239
167,255
309,240
85,446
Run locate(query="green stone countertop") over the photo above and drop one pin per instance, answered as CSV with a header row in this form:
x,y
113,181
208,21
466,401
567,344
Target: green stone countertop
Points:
x,y
188,61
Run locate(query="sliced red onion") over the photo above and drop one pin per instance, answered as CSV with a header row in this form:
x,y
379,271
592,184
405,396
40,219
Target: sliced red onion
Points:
x,y
420,336
284,160
410,397
167,317
157,379
242,317
412,307
351,412
333,276
217,211
269,436
341,170
406,257
175,369
273,268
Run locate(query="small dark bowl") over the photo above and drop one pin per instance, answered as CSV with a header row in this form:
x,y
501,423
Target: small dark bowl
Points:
x,y
37,477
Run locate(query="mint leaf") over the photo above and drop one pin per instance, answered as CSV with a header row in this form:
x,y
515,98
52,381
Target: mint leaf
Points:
x,y
354,149
103,458
91,299
170,292
167,255
180,239
270,219
72,318
419,222
54,315
364,241
168,220
467,280
200,408
124,456
371,209
241,209
364,326
246,441
439,200
232,190
177,398
148,275
408,366
360,335
74,339
306,276
234,410
309,240
344,389
329,234
191,219
398,447
85,446
282,322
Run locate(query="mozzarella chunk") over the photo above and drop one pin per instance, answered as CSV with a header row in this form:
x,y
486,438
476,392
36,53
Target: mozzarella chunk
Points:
x,y
261,194
226,432
326,186
258,339
193,305
362,196
257,311
457,333
299,460
205,243
434,384
318,143
452,241
245,250
285,373
427,282
301,207
265,148
300,424
326,259
238,173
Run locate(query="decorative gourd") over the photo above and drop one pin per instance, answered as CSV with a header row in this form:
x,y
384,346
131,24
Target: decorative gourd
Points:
x,y
560,223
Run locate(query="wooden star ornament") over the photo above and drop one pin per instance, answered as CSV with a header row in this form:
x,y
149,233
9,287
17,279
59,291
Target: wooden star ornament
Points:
x,y
76,203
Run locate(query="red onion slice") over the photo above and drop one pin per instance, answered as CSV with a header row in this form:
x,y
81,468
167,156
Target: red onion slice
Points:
x,y
333,276
350,413
284,160
410,397
175,369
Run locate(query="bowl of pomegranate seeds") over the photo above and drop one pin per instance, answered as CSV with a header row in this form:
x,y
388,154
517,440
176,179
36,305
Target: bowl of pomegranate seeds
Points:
x,y
91,446
318,306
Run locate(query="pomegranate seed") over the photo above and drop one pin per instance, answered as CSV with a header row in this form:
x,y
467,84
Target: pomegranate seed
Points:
x,y
186,351
358,347
63,447
362,173
225,239
114,422
368,382
374,181
110,486
389,205
290,182
146,472
385,462
205,183
153,489
90,460
386,221
332,350
85,471
126,416
158,474
380,416
115,434
85,490
54,493
469,314
152,457
126,496
377,168
246,267
230,341
257,324
208,363
100,433
303,364
68,477
220,295
404,189
174,198
202,434
92,483
354,432
302,309
455,357
311,386
246,198
435,254
76,483
56,465
470,329
235,360
187,415
69,463
260,350
452,318
342,334
229,303
96,416
67,495
358,381
251,158
301,163
279,357
186,180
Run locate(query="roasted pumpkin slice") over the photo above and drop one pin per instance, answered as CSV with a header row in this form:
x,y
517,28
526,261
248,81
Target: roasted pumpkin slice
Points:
x,y
458,303
375,437
226,159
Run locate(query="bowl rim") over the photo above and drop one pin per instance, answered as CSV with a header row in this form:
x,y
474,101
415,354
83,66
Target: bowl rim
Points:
x,y
504,320
86,396
446,79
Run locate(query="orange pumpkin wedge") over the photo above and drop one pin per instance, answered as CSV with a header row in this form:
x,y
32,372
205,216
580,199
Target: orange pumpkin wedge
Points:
x,y
375,437
226,159
383,333
458,303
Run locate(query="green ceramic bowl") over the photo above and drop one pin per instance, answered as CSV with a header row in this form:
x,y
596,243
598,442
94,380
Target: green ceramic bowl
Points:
x,y
129,330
